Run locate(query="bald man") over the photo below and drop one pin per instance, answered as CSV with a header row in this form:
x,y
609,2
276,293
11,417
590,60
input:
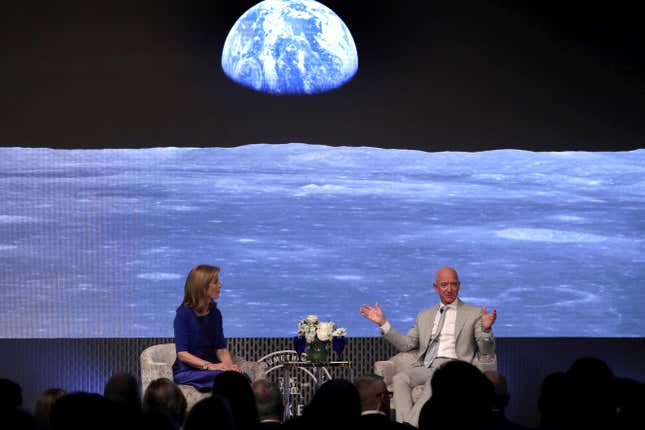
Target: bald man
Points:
x,y
450,330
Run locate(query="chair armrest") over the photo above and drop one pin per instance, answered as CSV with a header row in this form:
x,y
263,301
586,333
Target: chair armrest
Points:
x,y
151,370
386,369
487,363
254,369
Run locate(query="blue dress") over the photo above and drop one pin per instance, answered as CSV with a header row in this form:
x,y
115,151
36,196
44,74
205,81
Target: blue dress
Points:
x,y
200,336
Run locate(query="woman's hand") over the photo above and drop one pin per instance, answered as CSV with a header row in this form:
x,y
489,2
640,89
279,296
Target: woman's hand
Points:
x,y
234,367
216,366
226,360
224,366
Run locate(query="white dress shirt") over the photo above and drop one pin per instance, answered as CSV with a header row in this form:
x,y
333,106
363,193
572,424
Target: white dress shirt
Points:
x,y
447,336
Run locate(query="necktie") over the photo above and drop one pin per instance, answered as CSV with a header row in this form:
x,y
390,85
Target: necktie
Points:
x,y
433,347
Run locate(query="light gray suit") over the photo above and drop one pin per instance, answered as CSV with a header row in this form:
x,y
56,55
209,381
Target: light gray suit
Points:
x,y
472,345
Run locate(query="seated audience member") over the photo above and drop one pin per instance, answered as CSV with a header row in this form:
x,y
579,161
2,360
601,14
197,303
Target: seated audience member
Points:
x,y
235,387
82,411
10,395
11,414
199,336
122,389
163,395
268,400
498,418
462,397
336,404
153,420
375,404
43,407
630,398
552,401
210,413
591,400
19,419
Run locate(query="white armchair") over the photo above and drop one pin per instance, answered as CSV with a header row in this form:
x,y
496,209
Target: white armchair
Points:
x,y
388,368
157,360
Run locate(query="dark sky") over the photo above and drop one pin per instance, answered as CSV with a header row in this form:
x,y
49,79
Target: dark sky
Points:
x,y
433,75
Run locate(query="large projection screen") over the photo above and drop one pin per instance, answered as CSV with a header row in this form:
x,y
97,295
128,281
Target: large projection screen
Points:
x,y
100,241
500,139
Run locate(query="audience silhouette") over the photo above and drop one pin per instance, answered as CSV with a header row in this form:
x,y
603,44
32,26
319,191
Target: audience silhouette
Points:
x,y
375,404
586,395
462,397
211,412
43,407
80,411
336,404
552,401
630,398
235,387
163,396
122,389
10,395
591,400
501,399
268,400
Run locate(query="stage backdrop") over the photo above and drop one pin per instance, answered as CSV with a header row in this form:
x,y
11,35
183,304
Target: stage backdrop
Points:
x,y
97,243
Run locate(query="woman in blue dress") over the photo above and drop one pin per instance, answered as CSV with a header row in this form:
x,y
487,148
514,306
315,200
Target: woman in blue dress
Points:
x,y
199,337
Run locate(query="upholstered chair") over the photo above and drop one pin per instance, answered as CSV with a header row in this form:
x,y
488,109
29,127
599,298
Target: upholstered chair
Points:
x,y
157,360
388,368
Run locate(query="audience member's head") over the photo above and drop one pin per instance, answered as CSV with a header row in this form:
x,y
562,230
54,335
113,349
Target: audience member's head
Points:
x,y
336,403
268,400
589,372
373,393
10,395
163,395
210,413
11,414
630,398
122,389
461,397
154,420
43,407
500,388
460,380
591,398
235,387
429,411
552,400
81,411
19,419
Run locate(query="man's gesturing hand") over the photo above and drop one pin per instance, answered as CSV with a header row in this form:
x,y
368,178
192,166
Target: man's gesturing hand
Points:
x,y
488,318
373,313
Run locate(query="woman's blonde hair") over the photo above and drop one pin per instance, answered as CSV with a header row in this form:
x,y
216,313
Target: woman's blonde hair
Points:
x,y
197,284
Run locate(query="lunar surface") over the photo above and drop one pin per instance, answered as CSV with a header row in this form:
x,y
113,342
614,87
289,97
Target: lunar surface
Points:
x,y
97,243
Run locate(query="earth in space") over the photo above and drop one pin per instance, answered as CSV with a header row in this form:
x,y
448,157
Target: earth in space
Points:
x,y
290,47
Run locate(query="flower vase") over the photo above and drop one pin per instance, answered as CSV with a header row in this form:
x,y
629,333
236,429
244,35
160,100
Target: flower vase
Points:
x,y
317,351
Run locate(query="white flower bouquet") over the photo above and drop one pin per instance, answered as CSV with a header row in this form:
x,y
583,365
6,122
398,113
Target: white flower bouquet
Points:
x,y
319,336
312,329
